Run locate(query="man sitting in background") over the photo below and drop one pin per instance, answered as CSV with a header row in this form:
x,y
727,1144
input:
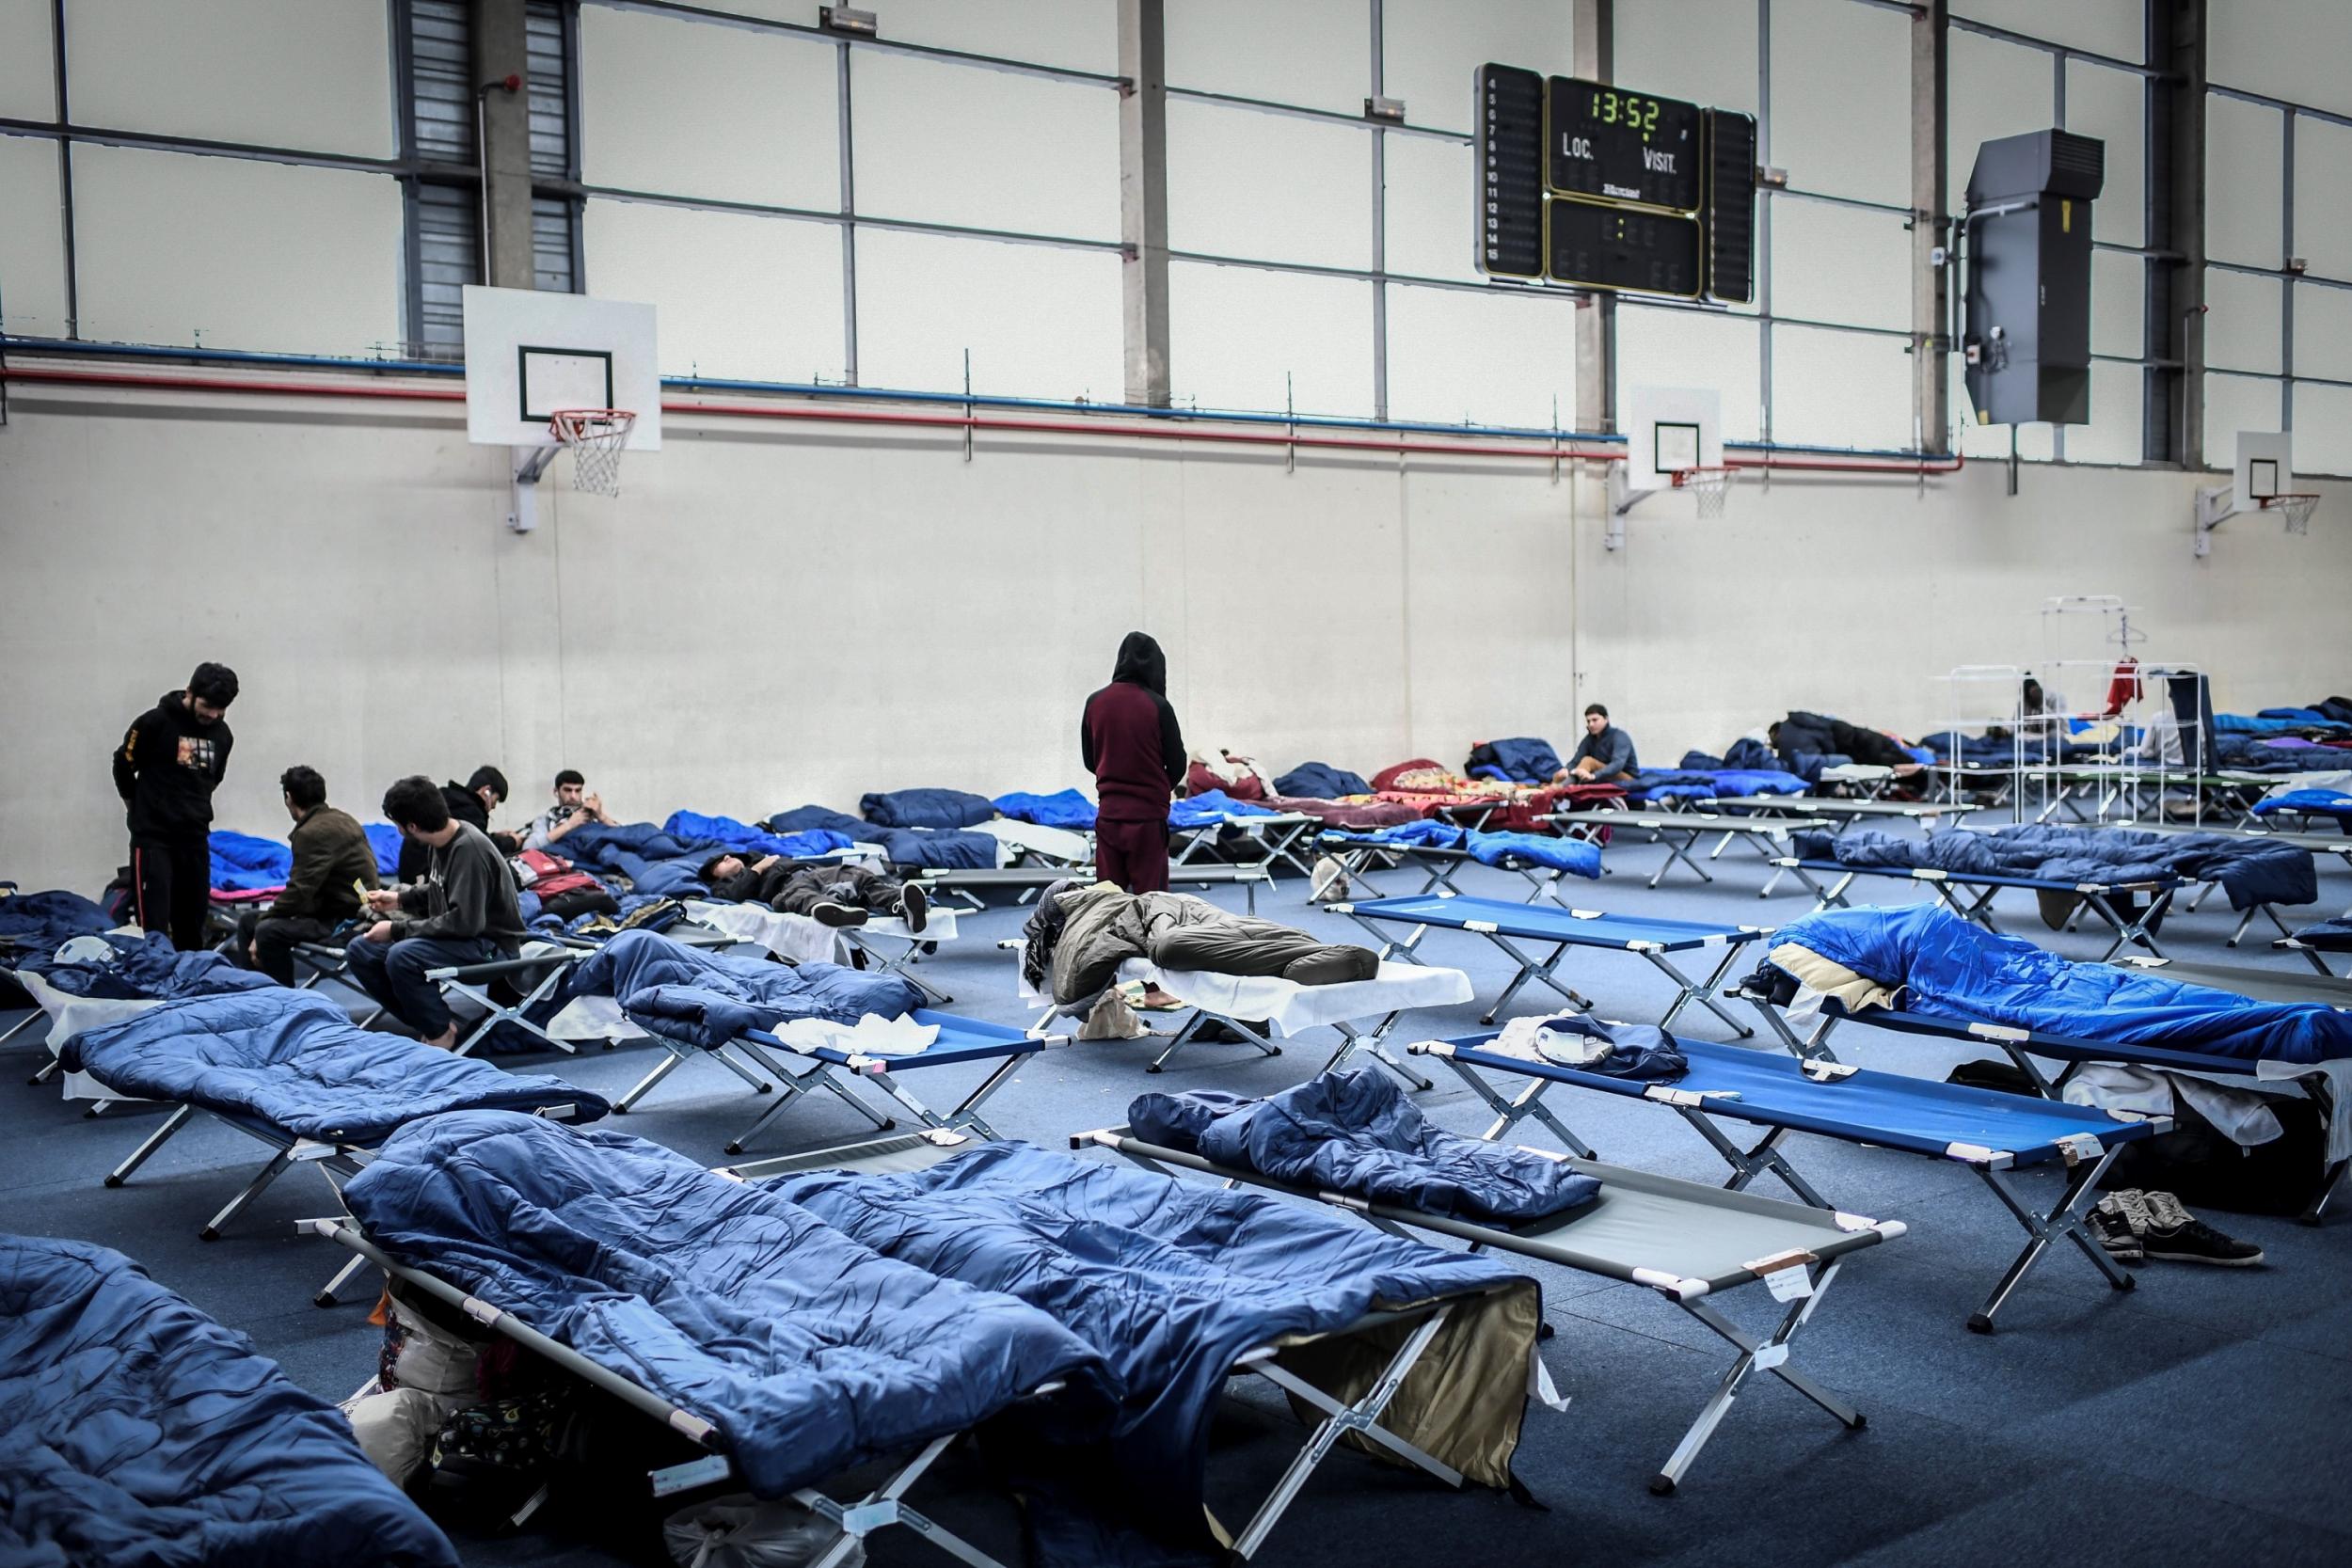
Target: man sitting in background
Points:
x,y
471,803
828,893
332,860
574,808
463,912
1605,756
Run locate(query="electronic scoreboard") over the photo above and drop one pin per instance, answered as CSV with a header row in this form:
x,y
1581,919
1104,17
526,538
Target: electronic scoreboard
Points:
x,y
1596,186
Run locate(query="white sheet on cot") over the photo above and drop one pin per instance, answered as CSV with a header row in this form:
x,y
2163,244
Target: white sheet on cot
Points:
x,y
70,1015
1291,1008
1061,844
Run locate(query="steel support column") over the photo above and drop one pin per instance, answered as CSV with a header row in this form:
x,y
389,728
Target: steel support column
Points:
x,y
1931,229
1143,198
2175,419
1595,25
502,48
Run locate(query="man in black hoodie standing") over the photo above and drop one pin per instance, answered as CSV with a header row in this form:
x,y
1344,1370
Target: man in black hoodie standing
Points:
x,y
170,761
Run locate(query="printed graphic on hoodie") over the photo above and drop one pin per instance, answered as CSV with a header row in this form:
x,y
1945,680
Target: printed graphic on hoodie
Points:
x,y
197,753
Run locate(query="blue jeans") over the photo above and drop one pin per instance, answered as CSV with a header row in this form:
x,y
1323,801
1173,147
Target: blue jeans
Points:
x,y
393,973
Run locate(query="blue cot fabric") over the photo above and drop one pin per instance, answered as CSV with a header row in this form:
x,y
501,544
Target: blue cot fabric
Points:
x,y
241,862
1168,1281
145,968
1690,782
1064,808
43,922
808,1351
137,1433
708,999
1577,857
1426,833
1320,781
1952,968
926,808
1209,809
295,1061
385,840
1550,923
1355,1132
2249,870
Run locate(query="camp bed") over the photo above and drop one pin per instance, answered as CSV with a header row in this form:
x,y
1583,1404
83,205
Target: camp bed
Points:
x,y
890,946
1679,831
1261,1008
1032,879
1359,852
1842,812
2311,954
1993,1133
1686,1241
1508,925
1266,840
1416,1326
2318,844
1969,894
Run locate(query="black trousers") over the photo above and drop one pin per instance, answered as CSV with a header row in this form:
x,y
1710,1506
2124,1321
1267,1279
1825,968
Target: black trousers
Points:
x,y
172,883
272,942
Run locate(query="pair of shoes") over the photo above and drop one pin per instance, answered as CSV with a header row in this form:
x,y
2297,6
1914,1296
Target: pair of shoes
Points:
x,y
914,908
2178,1236
838,915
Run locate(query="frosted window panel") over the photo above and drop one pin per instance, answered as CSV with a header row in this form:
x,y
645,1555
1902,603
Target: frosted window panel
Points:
x,y
310,74
231,253
2323,218
2323,331
28,77
1076,35
1995,89
703,109
1495,358
1699,50
737,296
1991,442
2245,154
1432,47
2241,324
2113,434
2290,49
2323,431
1841,99
2112,105
2118,303
1431,208
1235,333
32,242
1314,53
1840,390
2115,29
1268,188
1024,153
1693,348
1040,320
2236,402
1844,264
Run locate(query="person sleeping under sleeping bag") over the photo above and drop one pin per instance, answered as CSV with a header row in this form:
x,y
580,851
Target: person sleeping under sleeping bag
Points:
x,y
1081,933
830,894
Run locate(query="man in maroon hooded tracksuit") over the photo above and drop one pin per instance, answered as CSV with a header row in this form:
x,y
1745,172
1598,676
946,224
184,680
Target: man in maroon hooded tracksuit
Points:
x,y
1131,746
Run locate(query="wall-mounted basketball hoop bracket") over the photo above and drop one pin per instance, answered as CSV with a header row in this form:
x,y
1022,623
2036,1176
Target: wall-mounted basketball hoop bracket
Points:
x,y
2266,466
1673,441
545,372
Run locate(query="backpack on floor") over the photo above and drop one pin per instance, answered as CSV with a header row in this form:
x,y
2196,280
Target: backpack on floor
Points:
x,y
2205,1169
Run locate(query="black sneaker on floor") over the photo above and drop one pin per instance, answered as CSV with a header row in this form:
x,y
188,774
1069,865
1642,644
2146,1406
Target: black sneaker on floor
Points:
x,y
912,907
2198,1242
838,915
2114,1232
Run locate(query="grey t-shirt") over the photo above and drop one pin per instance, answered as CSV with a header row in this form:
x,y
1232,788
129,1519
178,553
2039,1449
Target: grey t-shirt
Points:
x,y
467,891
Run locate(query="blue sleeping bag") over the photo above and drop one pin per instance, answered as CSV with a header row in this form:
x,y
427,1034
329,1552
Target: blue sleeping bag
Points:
x,y
808,1351
41,922
706,999
2317,801
385,840
705,836
926,808
1320,781
1211,808
1520,759
294,1060
1356,1134
241,862
916,848
1954,969
1064,808
146,968
2328,936
1427,833
2249,870
1170,1282
1577,857
137,1433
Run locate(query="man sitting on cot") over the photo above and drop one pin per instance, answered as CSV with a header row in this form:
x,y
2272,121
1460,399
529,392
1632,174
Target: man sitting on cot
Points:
x,y
1605,756
332,861
574,807
463,912
829,892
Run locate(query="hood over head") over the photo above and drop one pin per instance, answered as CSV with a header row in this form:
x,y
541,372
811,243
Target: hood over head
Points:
x,y
1141,662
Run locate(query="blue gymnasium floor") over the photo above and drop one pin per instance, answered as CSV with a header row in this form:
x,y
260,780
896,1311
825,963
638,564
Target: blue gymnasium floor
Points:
x,y
2207,1411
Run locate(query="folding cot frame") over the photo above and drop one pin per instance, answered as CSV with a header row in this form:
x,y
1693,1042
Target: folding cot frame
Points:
x,y
916,1150
1817,1263
2087,1155
963,1040
1499,923
1277,836
2315,844
2021,1046
1036,878
2310,954
1439,863
1841,814
882,1506
1691,827
1980,887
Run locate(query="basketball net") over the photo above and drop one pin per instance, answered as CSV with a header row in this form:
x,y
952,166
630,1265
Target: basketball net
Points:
x,y
1711,487
595,437
2295,510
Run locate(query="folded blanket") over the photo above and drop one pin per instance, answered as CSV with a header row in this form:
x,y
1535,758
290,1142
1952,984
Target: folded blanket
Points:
x,y
926,808
1202,811
1321,780
1355,1132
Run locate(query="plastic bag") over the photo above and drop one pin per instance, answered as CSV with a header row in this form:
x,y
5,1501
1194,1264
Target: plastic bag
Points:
x,y
741,1531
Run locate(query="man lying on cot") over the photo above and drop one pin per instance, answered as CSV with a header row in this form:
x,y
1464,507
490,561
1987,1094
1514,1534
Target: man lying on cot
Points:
x,y
829,893
463,912
574,807
1605,756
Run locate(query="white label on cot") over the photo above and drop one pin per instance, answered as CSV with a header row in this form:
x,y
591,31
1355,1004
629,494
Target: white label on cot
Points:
x,y
1789,1284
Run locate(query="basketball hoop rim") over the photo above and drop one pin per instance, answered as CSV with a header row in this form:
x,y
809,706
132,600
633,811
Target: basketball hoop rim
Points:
x,y
571,425
2286,498
1700,477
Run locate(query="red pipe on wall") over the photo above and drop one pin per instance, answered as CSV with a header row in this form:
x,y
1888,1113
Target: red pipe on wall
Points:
x,y
1100,430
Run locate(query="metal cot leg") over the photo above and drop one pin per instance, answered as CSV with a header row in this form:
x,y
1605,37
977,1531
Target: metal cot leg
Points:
x,y
1353,1039
1528,1105
1529,970
1702,992
1771,1354
2066,1219
155,1140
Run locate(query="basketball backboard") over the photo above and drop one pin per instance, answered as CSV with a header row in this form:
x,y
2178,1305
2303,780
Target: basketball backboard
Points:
x,y
529,353
1671,430
2266,466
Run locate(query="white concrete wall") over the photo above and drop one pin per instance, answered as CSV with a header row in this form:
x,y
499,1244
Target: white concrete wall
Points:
x,y
777,614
